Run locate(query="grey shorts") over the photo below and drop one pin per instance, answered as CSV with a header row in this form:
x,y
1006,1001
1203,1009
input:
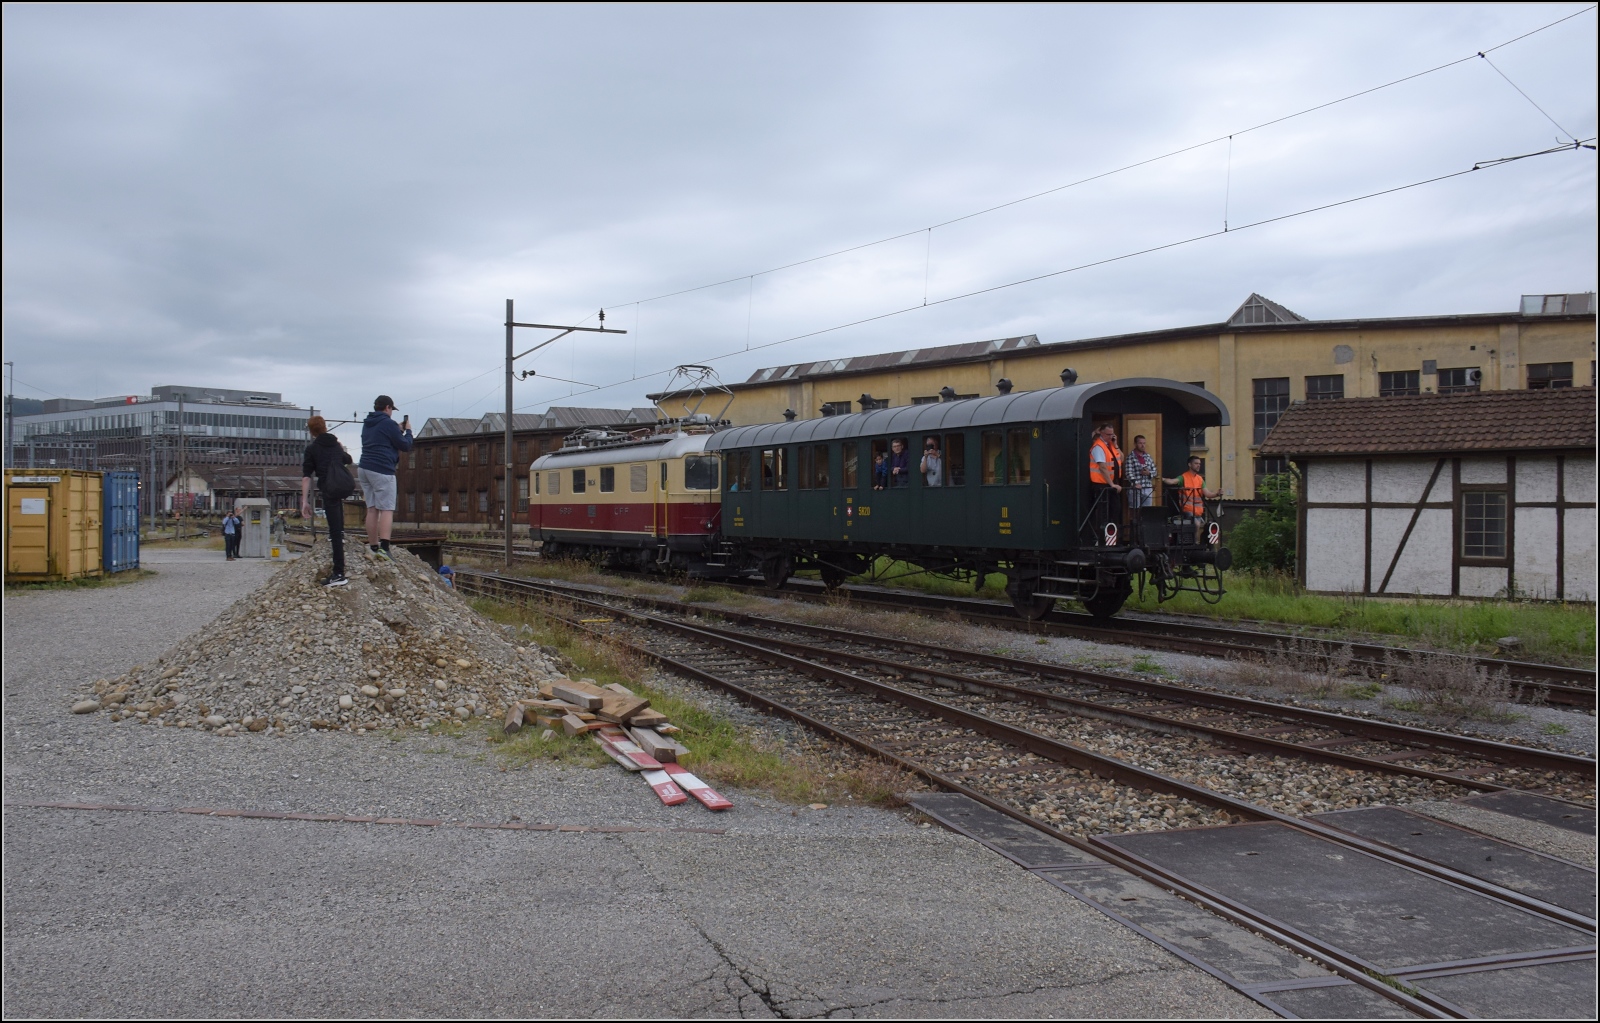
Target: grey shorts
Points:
x,y
379,489
1139,498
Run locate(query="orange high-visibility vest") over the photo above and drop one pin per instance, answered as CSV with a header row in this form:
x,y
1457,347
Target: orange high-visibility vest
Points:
x,y
1192,498
1105,472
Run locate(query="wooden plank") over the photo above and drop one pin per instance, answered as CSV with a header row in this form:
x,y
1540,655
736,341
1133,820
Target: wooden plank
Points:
x,y
658,746
572,724
559,706
665,788
514,719
697,788
611,751
618,687
577,697
621,709
648,718
627,747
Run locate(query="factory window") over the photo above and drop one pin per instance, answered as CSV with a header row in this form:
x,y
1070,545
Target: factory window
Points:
x,y
1021,460
411,504
483,500
1271,399
1483,524
739,471
522,451
1543,376
483,455
411,459
700,472
848,477
461,502
838,408
427,502
580,480
638,478
466,455
1325,387
427,458
1400,384
608,479
1269,467
554,480
994,457
1466,380
522,493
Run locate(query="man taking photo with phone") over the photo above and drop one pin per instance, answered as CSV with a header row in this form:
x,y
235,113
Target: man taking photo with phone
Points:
x,y
381,444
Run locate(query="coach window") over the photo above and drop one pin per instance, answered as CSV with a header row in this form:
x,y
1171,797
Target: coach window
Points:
x,y
738,471
608,479
535,484
848,476
955,460
663,475
638,478
700,472
1021,453
994,457
580,481
781,468
768,464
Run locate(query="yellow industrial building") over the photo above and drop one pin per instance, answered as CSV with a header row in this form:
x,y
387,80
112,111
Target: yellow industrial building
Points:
x,y
1259,361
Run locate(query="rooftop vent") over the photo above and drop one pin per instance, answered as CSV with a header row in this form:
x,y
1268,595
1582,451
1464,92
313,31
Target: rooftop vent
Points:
x,y
788,415
1003,385
828,409
1069,376
947,393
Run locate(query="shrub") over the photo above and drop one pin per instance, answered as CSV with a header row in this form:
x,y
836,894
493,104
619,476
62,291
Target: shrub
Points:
x,y
1265,540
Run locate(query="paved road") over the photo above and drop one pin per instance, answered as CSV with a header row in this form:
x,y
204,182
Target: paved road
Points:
x,y
847,912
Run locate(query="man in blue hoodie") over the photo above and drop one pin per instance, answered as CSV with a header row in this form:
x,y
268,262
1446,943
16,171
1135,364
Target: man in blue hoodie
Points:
x,y
381,444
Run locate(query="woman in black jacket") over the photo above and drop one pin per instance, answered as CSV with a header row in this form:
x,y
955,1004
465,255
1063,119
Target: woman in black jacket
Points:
x,y
323,455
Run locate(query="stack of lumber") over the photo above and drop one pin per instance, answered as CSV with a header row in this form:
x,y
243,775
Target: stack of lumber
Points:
x,y
625,727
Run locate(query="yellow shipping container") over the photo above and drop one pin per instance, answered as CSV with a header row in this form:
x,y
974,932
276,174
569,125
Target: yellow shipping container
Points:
x,y
53,525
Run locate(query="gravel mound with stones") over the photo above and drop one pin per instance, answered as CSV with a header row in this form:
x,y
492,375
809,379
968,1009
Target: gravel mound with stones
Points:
x,y
396,647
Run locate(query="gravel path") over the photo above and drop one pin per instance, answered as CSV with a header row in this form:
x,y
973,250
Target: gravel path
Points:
x,y
844,912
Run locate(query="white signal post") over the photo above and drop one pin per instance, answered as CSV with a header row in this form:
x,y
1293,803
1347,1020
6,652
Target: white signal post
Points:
x,y
508,499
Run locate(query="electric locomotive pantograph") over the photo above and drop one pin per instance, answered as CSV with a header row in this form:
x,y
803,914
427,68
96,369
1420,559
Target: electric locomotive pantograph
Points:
x,y
1009,492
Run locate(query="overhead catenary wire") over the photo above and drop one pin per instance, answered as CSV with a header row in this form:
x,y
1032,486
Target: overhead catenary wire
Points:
x,y
1176,243
1570,137
1099,176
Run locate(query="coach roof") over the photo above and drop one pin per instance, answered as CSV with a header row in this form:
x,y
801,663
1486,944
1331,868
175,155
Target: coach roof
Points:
x,y
1055,403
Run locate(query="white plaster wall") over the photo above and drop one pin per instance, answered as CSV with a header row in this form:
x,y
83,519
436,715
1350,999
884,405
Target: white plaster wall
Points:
x,y
1491,469
1536,479
1424,565
1578,479
1534,552
1336,481
1403,479
1477,581
1579,540
1334,543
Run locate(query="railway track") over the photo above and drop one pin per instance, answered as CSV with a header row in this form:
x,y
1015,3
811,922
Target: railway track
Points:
x,y
1078,754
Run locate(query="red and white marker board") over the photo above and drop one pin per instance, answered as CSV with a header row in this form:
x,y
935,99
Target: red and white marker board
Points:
x,y
697,788
662,782
618,740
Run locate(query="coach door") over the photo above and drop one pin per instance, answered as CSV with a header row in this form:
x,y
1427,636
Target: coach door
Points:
x,y
660,502
1148,426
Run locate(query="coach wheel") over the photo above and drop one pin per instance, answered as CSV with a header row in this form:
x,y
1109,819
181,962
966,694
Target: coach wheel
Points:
x,y
833,578
775,571
1109,601
1029,605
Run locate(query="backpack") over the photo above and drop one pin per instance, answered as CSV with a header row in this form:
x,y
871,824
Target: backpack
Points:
x,y
338,484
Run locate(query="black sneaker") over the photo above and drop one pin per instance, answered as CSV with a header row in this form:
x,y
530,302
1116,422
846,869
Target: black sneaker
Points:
x,y
335,580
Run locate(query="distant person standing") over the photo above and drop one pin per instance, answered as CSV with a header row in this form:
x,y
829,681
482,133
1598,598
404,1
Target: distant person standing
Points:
x,y
1140,470
381,444
326,459
230,535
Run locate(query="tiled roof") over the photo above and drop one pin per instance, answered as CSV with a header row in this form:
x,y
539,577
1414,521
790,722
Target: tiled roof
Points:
x,y
1437,424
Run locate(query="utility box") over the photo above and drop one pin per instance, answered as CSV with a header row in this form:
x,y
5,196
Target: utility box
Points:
x,y
119,540
53,524
255,540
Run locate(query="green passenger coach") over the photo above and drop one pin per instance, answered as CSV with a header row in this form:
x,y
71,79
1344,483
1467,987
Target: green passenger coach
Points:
x,y
973,486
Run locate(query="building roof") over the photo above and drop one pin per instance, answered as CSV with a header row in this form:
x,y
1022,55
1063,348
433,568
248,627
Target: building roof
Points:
x,y
1047,405
891,360
1259,309
557,417
1435,424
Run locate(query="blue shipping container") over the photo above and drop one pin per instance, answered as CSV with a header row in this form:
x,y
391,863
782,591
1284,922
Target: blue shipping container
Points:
x,y
120,544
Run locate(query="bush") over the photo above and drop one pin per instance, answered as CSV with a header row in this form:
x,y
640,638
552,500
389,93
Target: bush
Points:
x,y
1265,540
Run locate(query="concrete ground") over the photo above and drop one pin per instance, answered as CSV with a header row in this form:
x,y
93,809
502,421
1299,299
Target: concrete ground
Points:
x,y
785,912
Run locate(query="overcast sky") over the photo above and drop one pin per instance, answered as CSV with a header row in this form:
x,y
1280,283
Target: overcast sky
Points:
x,y
335,201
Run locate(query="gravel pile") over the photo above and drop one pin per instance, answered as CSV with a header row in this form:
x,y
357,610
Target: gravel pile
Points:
x,y
396,647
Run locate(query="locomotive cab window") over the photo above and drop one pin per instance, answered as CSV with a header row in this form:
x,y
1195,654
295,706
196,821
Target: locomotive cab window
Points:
x,y
608,479
554,480
700,472
848,475
579,481
638,478
739,471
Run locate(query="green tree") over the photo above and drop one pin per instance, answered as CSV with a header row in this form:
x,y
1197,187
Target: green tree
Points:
x,y
1265,539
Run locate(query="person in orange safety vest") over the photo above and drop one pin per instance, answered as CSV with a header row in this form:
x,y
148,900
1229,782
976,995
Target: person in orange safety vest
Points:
x,y
1105,470
1192,493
